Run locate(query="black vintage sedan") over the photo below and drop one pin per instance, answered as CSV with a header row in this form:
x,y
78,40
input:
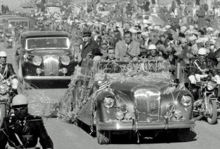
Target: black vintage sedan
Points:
x,y
44,55
137,98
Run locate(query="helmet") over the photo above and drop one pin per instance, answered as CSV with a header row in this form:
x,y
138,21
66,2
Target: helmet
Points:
x,y
3,54
202,51
152,47
19,100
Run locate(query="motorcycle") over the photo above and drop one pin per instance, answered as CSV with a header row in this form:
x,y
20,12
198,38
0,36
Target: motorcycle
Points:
x,y
206,105
8,89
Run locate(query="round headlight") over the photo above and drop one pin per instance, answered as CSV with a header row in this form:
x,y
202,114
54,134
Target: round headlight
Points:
x,y
65,60
186,100
37,60
108,102
3,89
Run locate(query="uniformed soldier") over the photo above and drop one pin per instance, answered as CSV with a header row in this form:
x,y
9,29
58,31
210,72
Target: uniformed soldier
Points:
x,y
22,130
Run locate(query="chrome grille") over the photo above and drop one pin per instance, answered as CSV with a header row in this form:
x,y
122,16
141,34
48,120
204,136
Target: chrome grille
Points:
x,y
51,65
147,106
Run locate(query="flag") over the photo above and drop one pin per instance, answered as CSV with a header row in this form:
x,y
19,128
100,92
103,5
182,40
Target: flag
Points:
x,y
104,85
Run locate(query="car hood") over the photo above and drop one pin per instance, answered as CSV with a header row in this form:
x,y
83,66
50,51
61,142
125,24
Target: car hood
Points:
x,y
42,52
128,85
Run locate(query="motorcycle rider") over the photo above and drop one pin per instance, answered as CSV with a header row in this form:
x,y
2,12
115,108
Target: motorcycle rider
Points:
x,y
23,130
201,68
6,69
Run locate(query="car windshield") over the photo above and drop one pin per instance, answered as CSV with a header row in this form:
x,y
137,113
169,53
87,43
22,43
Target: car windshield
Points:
x,y
47,42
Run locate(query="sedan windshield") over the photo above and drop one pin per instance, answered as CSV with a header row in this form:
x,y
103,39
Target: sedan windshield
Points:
x,y
48,43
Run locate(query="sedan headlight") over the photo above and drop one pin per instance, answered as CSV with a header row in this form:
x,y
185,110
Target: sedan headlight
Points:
x,y
3,88
108,102
186,100
37,60
65,60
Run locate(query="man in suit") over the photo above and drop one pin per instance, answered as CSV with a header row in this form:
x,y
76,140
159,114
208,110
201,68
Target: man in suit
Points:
x,y
89,47
127,48
6,69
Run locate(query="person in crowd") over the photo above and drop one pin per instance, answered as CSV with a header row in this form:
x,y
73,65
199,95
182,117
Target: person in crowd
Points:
x,y
22,130
116,37
127,48
104,47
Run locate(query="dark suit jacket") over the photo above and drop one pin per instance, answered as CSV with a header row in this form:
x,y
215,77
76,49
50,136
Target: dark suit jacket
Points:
x,y
92,47
7,70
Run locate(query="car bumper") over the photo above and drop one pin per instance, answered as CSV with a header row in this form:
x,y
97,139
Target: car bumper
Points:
x,y
145,125
47,77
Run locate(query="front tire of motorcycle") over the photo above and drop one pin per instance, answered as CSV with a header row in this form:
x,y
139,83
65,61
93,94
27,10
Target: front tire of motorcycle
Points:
x,y
2,113
212,118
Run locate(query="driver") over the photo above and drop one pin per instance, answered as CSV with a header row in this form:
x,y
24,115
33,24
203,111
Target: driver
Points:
x,y
23,130
6,69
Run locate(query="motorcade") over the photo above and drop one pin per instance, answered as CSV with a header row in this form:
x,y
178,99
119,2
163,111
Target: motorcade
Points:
x,y
11,24
2,18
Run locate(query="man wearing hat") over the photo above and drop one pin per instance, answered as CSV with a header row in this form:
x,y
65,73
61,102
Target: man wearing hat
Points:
x,y
89,47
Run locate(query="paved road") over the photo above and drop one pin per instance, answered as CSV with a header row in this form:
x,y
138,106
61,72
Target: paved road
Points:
x,y
68,136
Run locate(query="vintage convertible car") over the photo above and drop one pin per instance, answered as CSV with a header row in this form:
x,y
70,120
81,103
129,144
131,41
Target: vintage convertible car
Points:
x,y
135,97
44,56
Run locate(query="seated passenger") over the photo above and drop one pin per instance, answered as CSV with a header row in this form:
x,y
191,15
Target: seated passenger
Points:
x,y
127,48
110,54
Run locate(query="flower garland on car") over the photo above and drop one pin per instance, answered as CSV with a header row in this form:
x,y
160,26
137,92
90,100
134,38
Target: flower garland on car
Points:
x,y
90,72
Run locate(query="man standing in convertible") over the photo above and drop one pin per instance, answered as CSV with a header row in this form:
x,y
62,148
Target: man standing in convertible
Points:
x,y
22,130
89,47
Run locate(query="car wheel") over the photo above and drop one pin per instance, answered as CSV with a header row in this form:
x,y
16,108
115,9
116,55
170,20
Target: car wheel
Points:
x,y
184,135
103,137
